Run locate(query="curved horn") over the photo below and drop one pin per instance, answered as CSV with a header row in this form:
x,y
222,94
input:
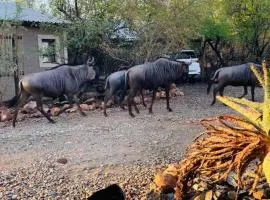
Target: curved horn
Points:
x,y
91,62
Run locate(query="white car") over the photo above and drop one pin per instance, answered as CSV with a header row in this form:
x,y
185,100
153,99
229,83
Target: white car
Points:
x,y
189,57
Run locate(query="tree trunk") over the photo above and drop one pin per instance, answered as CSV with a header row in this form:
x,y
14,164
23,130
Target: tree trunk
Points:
x,y
15,60
203,62
215,49
77,12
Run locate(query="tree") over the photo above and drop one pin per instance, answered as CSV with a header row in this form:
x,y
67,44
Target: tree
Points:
x,y
158,26
251,21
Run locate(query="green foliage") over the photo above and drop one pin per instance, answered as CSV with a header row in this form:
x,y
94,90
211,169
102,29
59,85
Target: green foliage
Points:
x,y
212,29
163,26
251,21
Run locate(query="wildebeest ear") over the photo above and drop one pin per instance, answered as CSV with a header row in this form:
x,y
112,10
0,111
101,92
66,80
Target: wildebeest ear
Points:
x,y
90,61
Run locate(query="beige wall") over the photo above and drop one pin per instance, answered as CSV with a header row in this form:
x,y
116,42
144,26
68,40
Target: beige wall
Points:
x,y
30,58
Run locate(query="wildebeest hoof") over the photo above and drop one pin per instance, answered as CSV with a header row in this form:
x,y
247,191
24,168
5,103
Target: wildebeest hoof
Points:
x,y
132,115
169,109
83,114
150,112
52,121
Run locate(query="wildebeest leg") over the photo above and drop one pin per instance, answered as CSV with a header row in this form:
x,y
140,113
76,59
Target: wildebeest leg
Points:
x,y
135,106
245,92
252,92
130,101
40,108
221,91
77,102
106,99
167,90
143,102
152,102
22,100
219,88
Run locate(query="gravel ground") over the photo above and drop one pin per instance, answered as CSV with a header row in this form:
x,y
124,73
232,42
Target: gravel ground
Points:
x,y
101,151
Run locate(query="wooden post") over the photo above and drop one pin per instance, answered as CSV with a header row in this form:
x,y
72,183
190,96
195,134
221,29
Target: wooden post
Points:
x,y
15,60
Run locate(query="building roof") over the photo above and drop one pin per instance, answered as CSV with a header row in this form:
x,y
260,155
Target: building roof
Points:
x,y
13,11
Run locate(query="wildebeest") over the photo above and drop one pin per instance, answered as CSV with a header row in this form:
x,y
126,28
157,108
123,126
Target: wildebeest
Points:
x,y
238,75
65,80
112,192
115,87
151,76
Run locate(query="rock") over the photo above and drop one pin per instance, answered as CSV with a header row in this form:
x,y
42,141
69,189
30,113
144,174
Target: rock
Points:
x,y
173,86
158,95
5,115
90,101
162,95
232,179
55,111
137,100
147,99
232,195
93,106
73,109
35,115
84,107
62,161
179,93
29,108
65,106
46,108
110,103
173,93
102,105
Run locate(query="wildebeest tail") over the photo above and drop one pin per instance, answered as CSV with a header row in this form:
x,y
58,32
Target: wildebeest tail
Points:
x,y
212,80
107,84
126,82
14,100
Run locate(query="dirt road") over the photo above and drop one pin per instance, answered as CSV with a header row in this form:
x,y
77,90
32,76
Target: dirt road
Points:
x,y
102,150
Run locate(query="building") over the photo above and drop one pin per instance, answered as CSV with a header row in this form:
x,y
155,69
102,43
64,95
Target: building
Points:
x,y
28,43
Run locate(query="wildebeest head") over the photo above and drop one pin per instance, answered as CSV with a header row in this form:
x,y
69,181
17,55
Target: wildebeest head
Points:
x,y
90,69
185,68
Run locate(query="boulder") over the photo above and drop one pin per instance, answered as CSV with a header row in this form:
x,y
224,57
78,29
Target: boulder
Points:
x,y
29,108
158,95
73,109
163,94
5,115
55,111
84,107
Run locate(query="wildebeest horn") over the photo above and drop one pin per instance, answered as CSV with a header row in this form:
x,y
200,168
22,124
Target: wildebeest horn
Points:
x,y
91,62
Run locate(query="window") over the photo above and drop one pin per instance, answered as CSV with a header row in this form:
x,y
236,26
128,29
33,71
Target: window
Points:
x,y
50,51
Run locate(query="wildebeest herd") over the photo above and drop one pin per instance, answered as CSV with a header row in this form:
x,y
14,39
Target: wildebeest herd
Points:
x,y
123,85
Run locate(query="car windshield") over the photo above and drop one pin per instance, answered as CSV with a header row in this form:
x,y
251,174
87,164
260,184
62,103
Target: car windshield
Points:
x,y
186,55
